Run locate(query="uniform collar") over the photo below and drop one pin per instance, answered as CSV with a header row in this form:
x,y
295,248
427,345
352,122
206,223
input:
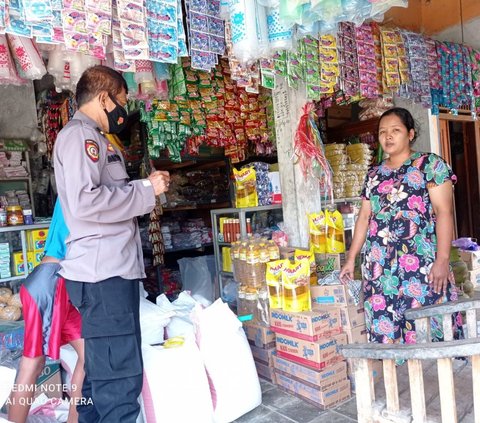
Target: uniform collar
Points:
x,y
88,120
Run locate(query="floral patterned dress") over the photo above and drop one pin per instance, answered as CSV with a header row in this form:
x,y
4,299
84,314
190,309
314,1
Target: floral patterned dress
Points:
x,y
400,248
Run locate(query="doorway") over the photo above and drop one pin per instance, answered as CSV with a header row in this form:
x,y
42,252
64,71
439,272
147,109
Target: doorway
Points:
x,y
461,149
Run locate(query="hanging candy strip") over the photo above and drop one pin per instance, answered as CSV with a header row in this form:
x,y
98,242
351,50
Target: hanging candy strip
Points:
x,y
308,149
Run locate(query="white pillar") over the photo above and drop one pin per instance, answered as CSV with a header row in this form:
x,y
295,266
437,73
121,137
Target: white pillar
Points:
x,y
300,197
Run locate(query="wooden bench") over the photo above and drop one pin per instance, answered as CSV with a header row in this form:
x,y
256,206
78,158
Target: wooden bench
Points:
x,y
363,355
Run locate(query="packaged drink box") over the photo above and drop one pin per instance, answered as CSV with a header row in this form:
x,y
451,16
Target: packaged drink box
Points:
x,y
36,239
258,335
320,398
322,379
266,372
471,258
357,335
19,265
326,295
307,325
263,355
276,187
316,354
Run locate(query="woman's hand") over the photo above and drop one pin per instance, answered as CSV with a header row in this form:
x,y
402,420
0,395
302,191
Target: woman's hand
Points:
x,y
438,275
347,272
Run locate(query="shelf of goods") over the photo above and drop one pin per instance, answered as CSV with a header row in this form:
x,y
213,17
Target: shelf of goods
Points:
x,y
241,214
5,233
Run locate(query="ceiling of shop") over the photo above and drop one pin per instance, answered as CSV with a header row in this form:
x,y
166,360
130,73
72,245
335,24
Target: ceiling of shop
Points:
x,y
441,19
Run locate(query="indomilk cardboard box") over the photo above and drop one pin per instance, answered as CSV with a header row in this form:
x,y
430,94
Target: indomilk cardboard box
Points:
x,y
307,325
322,379
317,354
320,398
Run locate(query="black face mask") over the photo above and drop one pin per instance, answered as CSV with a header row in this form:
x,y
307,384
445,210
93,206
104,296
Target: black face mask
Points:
x,y
117,118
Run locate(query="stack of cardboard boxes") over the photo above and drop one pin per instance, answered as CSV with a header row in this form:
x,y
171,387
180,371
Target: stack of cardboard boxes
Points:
x,y
307,361
472,259
262,344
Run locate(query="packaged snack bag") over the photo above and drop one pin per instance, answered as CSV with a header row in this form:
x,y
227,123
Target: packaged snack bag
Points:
x,y
296,286
245,187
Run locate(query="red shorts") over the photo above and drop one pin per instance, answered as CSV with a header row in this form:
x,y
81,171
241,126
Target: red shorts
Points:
x,y
50,318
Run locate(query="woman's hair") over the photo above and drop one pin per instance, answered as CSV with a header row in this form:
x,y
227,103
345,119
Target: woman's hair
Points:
x,y
405,116
97,79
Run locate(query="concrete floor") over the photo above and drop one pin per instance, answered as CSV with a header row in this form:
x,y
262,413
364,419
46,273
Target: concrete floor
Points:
x,y
280,407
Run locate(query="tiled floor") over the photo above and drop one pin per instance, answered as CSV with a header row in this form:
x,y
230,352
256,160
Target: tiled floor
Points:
x,y
280,407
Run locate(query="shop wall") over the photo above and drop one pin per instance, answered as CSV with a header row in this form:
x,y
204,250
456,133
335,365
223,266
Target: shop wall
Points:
x,y
18,116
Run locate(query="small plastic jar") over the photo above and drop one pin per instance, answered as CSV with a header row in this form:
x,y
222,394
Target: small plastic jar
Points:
x,y
14,215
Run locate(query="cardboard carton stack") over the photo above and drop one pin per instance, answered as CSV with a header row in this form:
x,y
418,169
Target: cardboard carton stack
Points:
x,y
472,260
352,317
306,361
262,344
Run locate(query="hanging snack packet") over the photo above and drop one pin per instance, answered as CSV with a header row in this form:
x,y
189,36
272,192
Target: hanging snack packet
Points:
x,y
335,232
274,282
296,286
317,229
310,256
245,187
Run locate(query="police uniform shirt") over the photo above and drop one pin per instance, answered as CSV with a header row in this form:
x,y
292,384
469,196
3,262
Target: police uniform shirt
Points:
x,y
99,204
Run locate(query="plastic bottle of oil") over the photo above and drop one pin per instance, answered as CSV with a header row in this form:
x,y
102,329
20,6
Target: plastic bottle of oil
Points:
x,y
242,261
273,250
264,251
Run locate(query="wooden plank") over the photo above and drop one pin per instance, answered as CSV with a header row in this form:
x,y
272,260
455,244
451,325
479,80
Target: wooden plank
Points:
x,y
472,323
417,392
438,309
422,327
433,350
447,327
391,386
364,391
372,382
476,386
447,390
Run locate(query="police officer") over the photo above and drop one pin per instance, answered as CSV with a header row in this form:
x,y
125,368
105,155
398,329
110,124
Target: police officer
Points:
x,y
104,256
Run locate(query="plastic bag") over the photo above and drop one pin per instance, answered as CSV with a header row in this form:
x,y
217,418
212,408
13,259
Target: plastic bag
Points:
x,y
7,375
317,229
197,276
335,232
222,341
175,387
274,282
153,321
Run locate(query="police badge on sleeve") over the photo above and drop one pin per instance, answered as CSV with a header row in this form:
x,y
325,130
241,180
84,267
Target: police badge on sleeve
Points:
x,y
92,150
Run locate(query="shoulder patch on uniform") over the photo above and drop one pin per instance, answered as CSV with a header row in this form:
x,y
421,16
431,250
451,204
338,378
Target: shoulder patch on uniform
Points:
x,y
92,150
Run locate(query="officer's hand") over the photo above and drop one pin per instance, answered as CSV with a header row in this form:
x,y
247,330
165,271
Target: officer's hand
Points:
x,y
160,181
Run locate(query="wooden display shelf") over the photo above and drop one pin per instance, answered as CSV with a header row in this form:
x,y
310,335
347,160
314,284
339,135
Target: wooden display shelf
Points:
x,y
339,133
206,206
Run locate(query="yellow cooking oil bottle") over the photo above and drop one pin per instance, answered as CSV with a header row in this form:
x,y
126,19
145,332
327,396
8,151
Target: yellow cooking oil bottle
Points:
x,y
317,229
310,256
274,282
296,286
335,232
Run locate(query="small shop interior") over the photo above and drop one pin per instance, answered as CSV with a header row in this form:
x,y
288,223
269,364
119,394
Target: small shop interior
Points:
x,y
223,103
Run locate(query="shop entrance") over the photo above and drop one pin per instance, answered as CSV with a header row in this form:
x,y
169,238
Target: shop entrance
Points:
x,y
460,137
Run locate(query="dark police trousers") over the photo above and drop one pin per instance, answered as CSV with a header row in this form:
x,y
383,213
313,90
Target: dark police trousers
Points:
x,y
113,355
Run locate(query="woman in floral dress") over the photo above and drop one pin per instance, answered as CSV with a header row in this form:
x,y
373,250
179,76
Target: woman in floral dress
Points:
x,y
406,220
